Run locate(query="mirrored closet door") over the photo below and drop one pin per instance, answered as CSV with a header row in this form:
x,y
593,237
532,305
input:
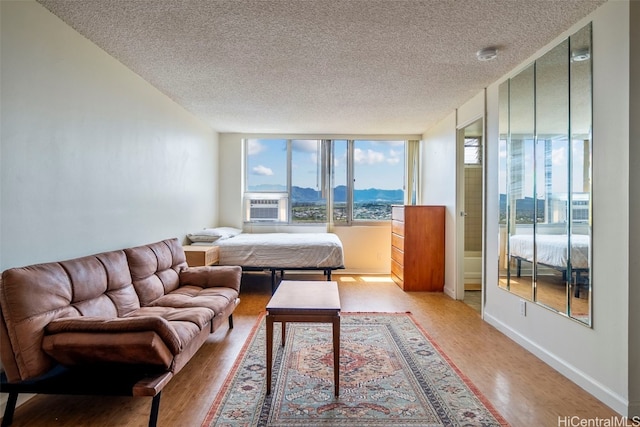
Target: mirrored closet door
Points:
x,y
545,180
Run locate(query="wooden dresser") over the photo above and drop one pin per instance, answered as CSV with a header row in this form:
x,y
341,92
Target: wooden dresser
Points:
x,y
417,247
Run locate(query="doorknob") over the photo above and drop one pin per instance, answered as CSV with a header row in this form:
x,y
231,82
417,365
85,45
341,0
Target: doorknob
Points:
x,y
462,213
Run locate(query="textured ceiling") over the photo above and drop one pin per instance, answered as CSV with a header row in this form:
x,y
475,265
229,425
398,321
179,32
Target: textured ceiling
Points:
x,y
320,66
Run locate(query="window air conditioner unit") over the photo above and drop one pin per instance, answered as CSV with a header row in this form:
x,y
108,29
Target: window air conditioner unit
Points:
x,y
266,208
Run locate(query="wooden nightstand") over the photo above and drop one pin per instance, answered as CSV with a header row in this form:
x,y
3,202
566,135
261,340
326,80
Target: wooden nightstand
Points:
x,y
201,255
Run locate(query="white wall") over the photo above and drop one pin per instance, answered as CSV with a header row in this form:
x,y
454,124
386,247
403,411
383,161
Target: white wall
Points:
x,y
634,211
441,183
231,177
595,358
439,188
93,158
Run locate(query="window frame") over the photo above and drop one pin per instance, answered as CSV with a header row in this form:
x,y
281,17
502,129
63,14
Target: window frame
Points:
x,y
326,165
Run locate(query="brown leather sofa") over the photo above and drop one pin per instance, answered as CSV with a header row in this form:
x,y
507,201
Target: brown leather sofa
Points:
x,y
116,323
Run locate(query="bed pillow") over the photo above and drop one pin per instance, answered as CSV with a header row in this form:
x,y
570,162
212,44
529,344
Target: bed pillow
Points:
x,y
210,235
226,232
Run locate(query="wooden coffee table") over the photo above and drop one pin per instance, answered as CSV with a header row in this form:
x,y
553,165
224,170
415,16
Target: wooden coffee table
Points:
x,y
305,301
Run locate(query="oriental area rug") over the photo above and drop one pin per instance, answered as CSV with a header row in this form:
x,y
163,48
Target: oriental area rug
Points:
x,y
391,374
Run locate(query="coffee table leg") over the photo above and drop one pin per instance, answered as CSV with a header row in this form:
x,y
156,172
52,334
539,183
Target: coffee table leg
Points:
x,y
336,354
269,351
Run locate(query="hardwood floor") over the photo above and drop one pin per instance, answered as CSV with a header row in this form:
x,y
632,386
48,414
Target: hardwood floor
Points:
x,y
526,391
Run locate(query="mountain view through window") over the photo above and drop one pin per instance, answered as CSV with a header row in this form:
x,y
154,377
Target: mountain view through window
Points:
x,y
364,177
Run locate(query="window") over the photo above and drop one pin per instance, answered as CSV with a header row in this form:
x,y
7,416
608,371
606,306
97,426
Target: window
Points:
x,y
378,178
266,192
266,161
308,201
356,180
472,151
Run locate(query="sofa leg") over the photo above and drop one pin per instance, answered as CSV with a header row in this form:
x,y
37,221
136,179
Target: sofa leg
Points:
x,y
231,321
155,409
7,419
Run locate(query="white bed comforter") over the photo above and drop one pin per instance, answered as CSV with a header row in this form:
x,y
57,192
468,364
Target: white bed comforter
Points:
x,y
282,250
552,249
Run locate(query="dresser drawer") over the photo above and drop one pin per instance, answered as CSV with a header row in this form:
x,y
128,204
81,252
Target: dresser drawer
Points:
x,y
397,212
397,255
397,270
397,241
398,281
397,227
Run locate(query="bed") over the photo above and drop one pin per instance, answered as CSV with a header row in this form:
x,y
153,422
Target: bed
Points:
x,y
552,251
276,252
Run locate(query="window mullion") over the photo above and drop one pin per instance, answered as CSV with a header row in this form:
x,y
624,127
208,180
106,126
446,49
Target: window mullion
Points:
x,y
289,180
350,182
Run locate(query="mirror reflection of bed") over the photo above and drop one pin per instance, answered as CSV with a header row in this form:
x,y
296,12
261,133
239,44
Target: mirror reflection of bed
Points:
x,y
550,289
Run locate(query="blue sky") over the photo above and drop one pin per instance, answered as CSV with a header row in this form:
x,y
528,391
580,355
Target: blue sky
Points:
x,y
378,164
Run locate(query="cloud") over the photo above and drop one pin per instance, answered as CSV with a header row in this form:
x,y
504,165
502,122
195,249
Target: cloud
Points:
x,y
262,170
368,157
393,160
388,143
254,147
394,157
372,157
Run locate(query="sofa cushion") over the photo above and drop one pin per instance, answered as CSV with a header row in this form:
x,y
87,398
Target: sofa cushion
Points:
x,y
155,268
200,316
227,276
216,299
131,348
148,336
102,327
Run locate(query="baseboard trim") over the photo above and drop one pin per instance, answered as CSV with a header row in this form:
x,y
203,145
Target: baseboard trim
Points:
x,y
451,292
361,271
617,402
472,276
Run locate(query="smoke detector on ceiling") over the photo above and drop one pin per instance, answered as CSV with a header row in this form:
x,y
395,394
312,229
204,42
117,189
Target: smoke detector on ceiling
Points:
x,y
487,54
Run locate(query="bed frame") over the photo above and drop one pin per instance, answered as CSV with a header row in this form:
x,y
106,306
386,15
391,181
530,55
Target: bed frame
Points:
x,y
581,274
274,270
278,252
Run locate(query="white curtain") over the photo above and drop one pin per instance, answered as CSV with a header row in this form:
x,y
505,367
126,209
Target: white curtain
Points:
x,y
412,194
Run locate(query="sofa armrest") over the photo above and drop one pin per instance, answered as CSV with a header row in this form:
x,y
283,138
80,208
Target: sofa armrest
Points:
x,y
98,325
228,276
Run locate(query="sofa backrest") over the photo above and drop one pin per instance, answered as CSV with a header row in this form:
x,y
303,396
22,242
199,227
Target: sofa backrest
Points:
x,y
155,268
31,297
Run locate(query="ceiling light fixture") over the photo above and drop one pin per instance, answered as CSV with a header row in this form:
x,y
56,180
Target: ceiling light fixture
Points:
x,y
487,54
